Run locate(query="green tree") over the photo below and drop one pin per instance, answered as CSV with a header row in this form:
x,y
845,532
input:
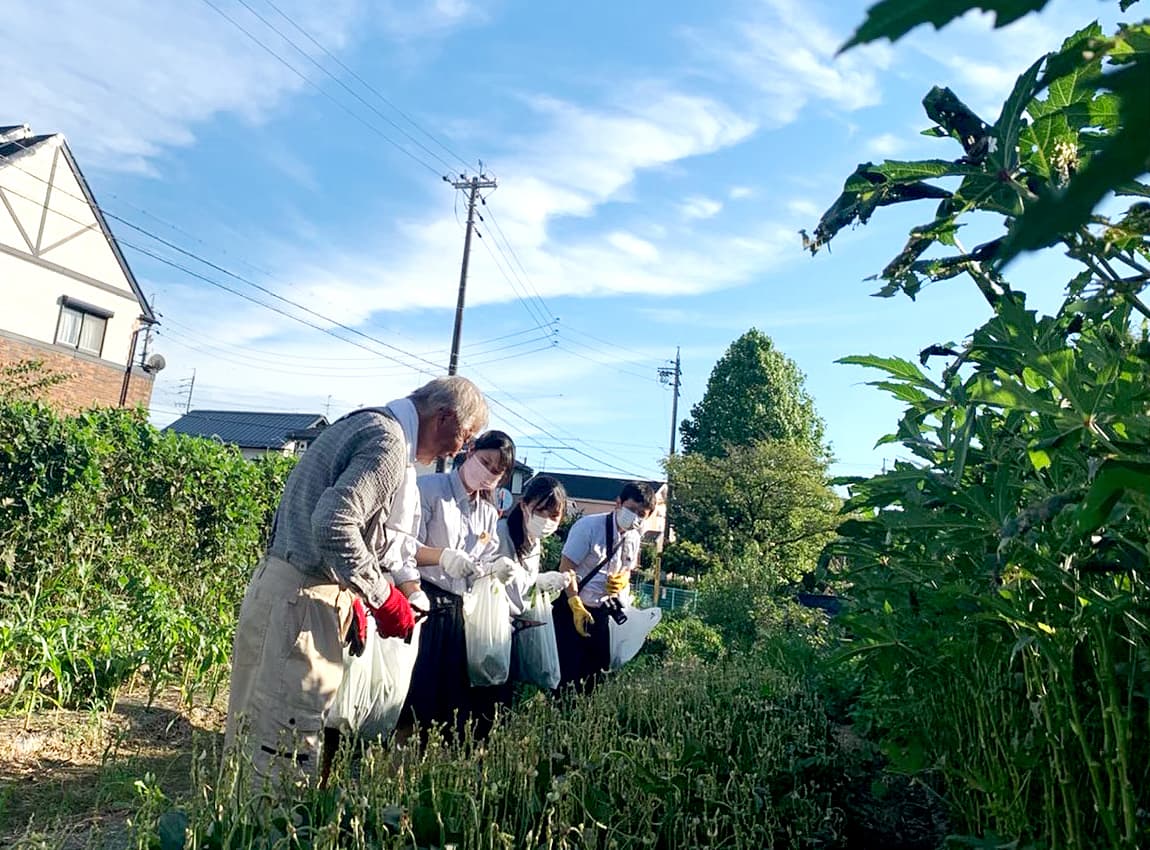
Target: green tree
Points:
x,y
755,393
768,500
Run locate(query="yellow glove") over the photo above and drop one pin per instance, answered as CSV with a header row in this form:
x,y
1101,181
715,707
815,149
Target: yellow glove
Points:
x,y
580,615
616,583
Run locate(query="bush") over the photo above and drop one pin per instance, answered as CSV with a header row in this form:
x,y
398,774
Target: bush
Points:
x,y
684,636
123,551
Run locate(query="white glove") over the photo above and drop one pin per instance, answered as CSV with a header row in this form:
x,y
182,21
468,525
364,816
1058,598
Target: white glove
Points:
x,y
553,582
457,564
418,599
504,568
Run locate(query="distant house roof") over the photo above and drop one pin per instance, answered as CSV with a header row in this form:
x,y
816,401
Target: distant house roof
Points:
x,y
598,488
16,140
247,429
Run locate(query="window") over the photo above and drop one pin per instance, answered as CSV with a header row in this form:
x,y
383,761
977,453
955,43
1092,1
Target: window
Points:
x,y
81,326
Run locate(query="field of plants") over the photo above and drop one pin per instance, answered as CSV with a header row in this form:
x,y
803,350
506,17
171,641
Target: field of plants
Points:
x,y
986,684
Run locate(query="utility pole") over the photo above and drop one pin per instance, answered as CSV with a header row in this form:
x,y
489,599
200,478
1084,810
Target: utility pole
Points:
x,y
472,186
674,376
190,385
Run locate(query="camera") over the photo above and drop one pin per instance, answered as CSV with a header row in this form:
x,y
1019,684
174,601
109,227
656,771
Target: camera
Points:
x,y
614,609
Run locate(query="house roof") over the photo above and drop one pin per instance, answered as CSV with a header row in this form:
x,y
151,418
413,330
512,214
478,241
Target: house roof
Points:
x,y
16,140
597,488
244,428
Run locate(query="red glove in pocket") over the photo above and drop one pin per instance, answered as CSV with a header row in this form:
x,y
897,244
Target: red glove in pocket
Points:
x,y
356,637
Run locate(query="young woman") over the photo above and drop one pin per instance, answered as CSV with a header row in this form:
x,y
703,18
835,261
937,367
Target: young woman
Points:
x,y
459,543
521,532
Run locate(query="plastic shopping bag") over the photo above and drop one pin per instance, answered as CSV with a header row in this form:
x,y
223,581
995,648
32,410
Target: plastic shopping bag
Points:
x,y
374,685
536,652
627,638
487,631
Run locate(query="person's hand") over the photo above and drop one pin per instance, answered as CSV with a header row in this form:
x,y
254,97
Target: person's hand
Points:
x,y
457,564
581,616
394,618
504,569
420,604
552,582
617,583
356,637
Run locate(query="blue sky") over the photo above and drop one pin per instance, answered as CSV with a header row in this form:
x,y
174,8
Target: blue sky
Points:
x,y
655,161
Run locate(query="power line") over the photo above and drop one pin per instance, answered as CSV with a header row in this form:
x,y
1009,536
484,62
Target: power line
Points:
x,y
541,324
367,85
518,262
319,88
340,82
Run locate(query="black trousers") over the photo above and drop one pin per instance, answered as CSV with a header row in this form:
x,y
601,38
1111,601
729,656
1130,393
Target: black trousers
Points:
x,y
582,660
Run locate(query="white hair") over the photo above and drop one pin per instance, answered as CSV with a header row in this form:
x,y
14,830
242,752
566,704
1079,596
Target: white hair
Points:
x,y
454,393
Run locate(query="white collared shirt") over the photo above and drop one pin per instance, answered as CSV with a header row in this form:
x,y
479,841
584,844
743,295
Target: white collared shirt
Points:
x,y
451,518
586,547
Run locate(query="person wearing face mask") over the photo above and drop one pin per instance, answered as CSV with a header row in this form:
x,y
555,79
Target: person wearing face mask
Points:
x,y
459,543
601,551
329,570
536,516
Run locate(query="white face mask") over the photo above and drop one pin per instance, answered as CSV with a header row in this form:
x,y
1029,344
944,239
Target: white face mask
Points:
x,y
626,518
476,476
539,526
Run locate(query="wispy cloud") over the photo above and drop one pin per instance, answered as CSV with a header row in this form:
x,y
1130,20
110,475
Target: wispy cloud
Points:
x,y
784,51
886,144
739,193
127,78
699,207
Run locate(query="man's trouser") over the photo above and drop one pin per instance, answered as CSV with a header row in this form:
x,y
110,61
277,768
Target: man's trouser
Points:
x,y
582,660
287,665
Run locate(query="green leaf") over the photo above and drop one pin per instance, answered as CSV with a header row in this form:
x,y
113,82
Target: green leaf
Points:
x,y
1122,159
1114,478
894,366
1039,459
895,18
1010,121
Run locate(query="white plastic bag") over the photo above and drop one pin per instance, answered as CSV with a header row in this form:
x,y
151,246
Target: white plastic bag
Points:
x,y
627,639
536,652
487,631
374,685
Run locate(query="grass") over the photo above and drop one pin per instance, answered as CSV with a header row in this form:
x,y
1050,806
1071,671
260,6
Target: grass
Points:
x,y
68,778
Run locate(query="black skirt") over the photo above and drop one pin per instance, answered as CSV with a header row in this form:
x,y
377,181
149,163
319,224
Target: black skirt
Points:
x,y
441,693
582,660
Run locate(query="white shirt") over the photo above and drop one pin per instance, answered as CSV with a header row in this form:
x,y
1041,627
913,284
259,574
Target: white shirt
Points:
x,y
450,518
587,545
519,588
402,523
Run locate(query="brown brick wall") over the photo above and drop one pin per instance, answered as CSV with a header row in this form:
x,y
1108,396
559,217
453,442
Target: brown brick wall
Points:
x,y
93,382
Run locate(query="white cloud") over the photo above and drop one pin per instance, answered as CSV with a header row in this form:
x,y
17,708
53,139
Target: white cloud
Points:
x,y
739,193
126,78
633,246
886,144
699,207
404,20
804,208
786,53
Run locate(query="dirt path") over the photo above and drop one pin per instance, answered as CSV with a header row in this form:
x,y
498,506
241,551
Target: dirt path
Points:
x,y
68,778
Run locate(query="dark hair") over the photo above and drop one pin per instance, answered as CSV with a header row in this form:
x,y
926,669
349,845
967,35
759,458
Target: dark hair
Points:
x,y
640,492
547,494
491,440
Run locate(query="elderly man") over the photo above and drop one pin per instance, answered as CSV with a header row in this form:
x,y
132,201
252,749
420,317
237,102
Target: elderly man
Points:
x,y
324,566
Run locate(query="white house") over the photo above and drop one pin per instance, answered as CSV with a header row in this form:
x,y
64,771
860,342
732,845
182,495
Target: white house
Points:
x,y
69,297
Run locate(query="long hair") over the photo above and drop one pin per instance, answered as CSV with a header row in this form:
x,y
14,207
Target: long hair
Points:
x,y
544,493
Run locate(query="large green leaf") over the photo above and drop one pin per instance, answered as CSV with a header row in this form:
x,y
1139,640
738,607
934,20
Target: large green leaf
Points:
x,y
895,366
1114,478
1011,121
895,18
1122,159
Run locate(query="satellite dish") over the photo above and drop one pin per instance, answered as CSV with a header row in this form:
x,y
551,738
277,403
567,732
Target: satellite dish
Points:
x,y
155,363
